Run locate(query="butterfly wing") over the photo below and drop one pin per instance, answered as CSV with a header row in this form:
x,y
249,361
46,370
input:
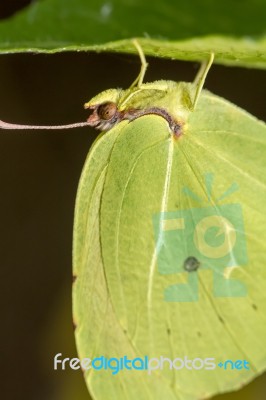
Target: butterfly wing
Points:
x,y
146,203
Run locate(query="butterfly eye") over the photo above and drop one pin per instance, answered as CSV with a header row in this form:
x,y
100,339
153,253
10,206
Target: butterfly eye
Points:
x,y
106,111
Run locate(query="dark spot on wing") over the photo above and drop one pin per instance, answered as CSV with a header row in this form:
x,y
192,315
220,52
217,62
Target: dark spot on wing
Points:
x,y
74,277
191,264
168,330
254,307
199,334
221,319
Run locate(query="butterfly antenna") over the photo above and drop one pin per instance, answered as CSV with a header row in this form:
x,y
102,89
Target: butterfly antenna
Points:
x,y
6,125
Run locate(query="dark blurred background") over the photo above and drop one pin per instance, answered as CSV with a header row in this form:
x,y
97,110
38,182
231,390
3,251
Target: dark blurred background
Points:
x,y
39,174
10,7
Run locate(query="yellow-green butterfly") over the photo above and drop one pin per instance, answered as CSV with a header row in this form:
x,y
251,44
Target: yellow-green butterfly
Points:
x,y
169,295
169,243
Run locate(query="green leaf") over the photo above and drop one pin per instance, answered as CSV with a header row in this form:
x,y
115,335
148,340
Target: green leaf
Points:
x,y
180,30
149,202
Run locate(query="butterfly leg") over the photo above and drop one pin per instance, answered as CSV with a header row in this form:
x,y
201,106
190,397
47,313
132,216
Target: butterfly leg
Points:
x,y
144,65
200,79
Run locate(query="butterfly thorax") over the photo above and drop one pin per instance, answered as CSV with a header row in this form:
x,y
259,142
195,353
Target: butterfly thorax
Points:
x,y
171,100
